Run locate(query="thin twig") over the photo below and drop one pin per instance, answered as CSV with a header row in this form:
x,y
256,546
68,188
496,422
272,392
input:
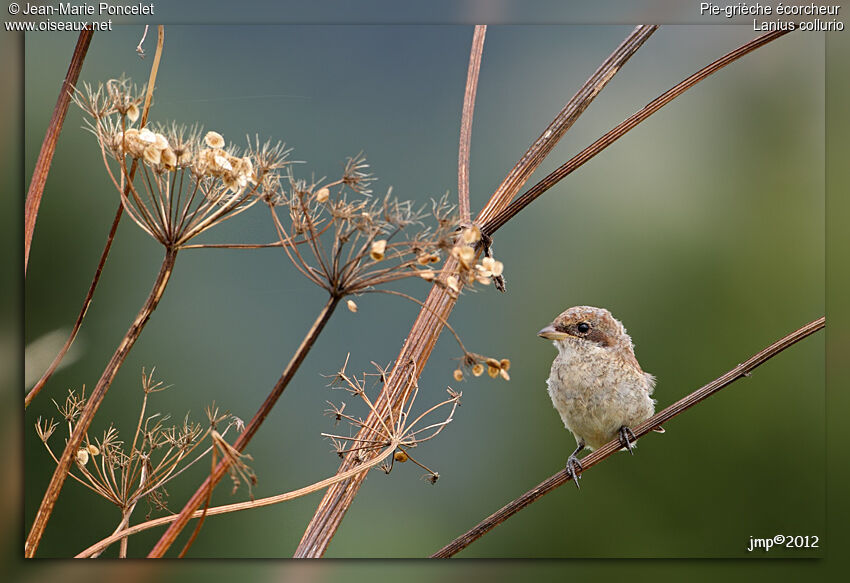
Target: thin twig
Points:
x,y
109,238
48,146
657,420
466,122
83,310
491,226
426,329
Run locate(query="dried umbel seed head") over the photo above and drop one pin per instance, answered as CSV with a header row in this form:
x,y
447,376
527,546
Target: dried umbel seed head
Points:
x,y
400,457
471,235
82,456
168,159
152,155
465,255
233,171
492,267
452,283
133,112
378,250
142,143
214,140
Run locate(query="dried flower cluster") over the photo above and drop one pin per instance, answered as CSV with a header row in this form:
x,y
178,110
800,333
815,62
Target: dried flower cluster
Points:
x,y
469,269
158,452
356,242
402,429
478,364
175,182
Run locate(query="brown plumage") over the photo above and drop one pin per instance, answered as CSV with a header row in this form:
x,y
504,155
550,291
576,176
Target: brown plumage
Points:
x,y
596,383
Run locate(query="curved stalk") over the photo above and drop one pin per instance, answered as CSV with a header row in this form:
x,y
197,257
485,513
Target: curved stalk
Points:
x,y
123,532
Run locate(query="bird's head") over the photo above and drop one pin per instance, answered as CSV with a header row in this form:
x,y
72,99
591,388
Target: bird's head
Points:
x,y
586,326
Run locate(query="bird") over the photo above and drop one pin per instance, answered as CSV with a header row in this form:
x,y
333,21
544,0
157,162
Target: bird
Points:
x,y
596,383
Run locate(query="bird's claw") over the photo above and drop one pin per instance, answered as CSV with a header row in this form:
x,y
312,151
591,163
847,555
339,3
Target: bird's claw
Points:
x,y
574,469
626,437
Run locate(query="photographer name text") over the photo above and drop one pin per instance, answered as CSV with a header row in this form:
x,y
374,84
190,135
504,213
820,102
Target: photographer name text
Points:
x,y
100,9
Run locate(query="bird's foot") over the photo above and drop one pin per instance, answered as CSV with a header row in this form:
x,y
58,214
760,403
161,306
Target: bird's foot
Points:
x,y
574,469
626,437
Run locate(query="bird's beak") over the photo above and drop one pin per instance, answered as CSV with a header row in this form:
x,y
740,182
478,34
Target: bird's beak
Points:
x,y
550,333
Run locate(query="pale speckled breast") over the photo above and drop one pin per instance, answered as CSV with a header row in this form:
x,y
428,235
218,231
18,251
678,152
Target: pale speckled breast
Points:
x,y
595,401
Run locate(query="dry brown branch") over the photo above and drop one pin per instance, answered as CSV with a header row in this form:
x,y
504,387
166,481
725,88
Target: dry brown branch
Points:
x,y
466,122
742,370
109,238
426,329
491,226
48,146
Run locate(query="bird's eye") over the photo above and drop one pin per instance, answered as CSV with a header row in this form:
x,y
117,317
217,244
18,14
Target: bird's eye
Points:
x,y
584,327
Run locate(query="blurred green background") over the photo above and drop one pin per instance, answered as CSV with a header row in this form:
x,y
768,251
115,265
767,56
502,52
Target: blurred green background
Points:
x,y
702,231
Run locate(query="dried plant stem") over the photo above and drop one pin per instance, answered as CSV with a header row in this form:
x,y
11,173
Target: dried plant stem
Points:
x,y
491,226
94,401
522,171
466,122
426,329
235,245
123,533
48,146
110,237
657,420
200,495
79,321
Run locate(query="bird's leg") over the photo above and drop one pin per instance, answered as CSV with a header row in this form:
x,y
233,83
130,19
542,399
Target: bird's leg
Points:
x,y
574,466
626,436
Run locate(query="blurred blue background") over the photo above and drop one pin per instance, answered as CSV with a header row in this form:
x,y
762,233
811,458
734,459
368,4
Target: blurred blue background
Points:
x,y
702,230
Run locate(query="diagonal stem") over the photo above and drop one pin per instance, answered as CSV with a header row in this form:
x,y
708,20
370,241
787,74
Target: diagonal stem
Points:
x,y
657,420
48,146
492,225
201,494
85,307
94,401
